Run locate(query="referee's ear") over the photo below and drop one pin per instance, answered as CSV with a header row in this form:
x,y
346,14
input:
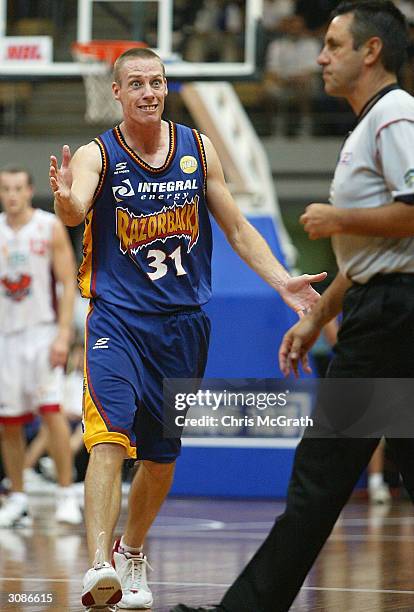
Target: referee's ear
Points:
x,y
373,49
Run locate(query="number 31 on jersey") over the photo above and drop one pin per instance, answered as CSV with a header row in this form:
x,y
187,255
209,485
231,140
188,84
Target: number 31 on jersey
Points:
x,y
158,258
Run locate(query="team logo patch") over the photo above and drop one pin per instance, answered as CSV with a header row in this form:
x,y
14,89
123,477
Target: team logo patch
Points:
x,y
346,158
177,221
409,178
188,164
101,343
17,289
121,168
123,191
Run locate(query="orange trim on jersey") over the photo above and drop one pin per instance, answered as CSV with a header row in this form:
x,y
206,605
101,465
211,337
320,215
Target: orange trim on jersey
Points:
x,y
202,153
104,169
87,270
95,428
95,421
86,274
170,156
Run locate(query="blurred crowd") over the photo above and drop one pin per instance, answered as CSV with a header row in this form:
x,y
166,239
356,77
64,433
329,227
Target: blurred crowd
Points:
x,y
291,39
289,93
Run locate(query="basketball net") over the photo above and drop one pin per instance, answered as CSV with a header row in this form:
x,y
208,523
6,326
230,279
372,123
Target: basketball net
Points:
x,y
101,106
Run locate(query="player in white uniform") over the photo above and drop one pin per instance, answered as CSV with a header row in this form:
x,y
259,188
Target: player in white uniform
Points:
x,y
35,329
371,220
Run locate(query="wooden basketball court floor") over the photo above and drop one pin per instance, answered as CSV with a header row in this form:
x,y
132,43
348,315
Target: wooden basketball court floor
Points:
x,y
197,546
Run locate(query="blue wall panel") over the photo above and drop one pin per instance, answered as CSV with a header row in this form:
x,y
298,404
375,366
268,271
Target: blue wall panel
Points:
x,y
248,317
233,472
248,322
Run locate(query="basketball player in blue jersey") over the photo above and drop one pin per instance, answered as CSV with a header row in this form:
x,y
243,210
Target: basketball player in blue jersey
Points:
x,y
141,189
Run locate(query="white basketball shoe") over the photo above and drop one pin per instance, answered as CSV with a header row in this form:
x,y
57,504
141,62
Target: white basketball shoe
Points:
x,y
101,586
14,511
67,506
132,571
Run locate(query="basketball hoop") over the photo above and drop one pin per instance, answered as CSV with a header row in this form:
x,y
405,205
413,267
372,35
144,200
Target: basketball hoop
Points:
x,y
101,106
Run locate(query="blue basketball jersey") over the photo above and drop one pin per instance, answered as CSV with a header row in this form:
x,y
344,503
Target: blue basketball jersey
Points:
x,y
147,241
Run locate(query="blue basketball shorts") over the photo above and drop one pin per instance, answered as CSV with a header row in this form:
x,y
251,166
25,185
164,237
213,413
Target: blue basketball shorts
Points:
x,y
127,356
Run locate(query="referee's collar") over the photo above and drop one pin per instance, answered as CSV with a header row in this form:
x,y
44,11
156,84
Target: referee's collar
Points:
x,y
375,98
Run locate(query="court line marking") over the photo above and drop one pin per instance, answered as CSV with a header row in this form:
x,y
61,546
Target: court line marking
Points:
x,y
260,535
354,590
220,585
240,442
372,537
384,520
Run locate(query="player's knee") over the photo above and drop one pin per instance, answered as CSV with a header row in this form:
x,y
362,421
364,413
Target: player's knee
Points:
x,y
108,454
160,471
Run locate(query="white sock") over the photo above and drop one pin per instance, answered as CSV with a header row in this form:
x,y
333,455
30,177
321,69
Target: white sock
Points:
x,y
62,491
130,549
375,480
19,497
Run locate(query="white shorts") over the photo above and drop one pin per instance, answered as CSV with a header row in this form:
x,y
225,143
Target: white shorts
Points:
x,y
28,383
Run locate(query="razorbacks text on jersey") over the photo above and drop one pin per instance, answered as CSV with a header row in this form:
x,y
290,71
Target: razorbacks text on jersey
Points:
x,y
147,239
27,287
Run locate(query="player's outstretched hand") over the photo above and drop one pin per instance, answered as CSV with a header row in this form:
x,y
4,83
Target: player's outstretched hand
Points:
x,y
295,345
60,179
299,294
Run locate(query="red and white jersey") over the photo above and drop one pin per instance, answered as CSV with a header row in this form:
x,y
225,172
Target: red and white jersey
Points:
x,y
27,287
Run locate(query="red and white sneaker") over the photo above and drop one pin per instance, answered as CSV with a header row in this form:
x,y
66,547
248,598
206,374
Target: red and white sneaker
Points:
x,y
101,587
132,572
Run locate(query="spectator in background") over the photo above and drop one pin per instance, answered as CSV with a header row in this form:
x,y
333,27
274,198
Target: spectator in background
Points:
x,y
291,76
316,14
216,33
274,12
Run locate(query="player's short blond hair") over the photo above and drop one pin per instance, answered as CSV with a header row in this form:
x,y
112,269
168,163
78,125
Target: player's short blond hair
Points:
x,y
135,52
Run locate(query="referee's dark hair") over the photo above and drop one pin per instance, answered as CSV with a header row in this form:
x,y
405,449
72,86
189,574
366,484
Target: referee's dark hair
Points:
x,y
378,18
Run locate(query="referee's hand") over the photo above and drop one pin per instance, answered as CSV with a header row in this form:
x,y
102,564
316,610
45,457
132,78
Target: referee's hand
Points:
x,y
321,221
295,346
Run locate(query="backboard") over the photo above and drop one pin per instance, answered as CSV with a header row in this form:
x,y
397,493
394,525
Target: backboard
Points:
x,y
206,39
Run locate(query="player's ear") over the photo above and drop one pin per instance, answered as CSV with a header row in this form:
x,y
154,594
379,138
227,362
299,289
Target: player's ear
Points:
x,y
166,86
115,90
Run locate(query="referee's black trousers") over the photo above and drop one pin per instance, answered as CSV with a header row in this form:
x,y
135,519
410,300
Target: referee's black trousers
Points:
x,y
376,340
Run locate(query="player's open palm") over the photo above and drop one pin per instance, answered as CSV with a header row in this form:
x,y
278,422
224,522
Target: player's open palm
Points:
x,y
299,293
61,178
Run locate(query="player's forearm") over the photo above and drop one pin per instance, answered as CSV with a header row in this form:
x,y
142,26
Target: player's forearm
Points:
x,y
330,303
392,220
254,250
71,211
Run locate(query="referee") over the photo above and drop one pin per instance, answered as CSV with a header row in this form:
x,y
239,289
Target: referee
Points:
x,y
371,222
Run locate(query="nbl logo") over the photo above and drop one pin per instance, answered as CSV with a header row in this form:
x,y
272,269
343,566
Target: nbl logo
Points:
x,y
123,191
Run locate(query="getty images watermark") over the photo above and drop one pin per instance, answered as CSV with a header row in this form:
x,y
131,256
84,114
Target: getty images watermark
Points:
x,y
234,407
218,401
323,408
